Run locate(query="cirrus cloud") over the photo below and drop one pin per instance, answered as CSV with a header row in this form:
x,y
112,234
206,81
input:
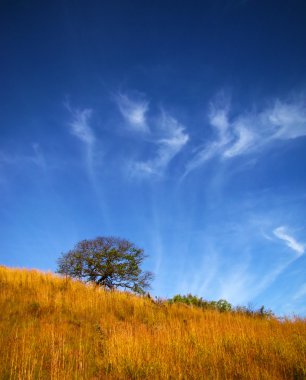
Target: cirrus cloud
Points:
x,y
173,138
290,241
133,111
248,132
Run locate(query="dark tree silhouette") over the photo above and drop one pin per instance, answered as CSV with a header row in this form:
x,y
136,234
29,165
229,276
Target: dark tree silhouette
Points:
x,y
109,262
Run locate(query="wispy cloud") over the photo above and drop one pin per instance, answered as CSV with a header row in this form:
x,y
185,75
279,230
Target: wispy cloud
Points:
x,y
27,160
237,286
169,144
134,111
244,139
286,120
36,157
243,284
241,278
79,126
300,293
218,119
248,132
282,234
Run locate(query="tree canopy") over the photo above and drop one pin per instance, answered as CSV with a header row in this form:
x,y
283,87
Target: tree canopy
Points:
x,y
110,262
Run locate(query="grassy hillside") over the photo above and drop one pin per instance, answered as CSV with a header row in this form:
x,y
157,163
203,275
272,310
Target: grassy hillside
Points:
x,y
53,329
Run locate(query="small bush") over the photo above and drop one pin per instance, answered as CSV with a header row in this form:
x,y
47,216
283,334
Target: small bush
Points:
x,y
189,299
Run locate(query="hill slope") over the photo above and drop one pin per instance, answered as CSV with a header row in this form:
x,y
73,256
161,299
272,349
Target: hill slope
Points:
x,y
56,329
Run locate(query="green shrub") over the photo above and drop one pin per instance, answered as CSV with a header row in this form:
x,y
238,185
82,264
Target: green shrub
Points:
x,y
189,299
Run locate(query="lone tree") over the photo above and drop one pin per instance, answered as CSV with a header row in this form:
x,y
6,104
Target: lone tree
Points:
x,y
108,261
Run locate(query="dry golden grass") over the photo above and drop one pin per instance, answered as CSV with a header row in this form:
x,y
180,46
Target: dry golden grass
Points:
x,y
56,329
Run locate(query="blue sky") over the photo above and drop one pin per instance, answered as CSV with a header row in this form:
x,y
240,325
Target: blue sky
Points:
x,y
181,127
